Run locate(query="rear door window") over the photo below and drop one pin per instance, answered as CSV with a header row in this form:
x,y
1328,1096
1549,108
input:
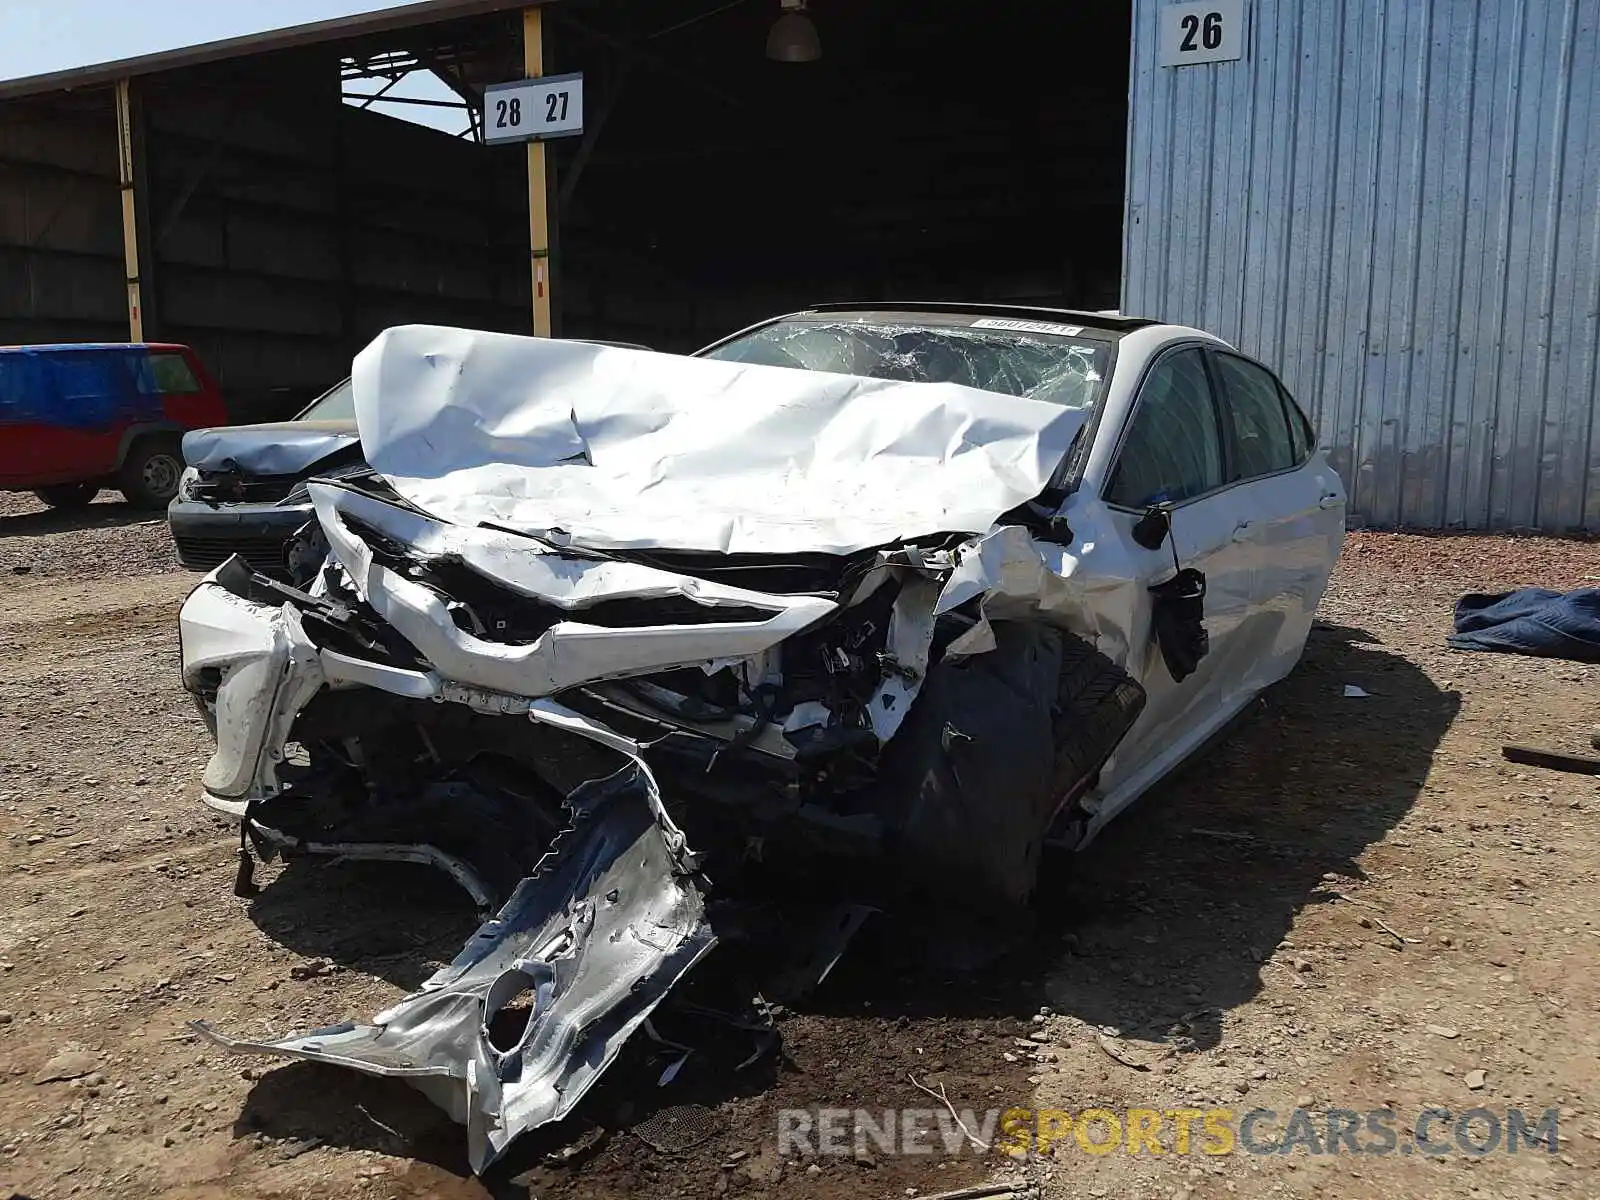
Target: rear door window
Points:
x,y
1253,416
1173,448
1301,434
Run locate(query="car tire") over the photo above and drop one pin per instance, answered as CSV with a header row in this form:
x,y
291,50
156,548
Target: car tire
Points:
x,y
1096,705
69,495
150,474
992,748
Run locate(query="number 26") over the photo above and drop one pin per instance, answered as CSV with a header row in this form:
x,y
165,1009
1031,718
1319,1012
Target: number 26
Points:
x,y
1209,31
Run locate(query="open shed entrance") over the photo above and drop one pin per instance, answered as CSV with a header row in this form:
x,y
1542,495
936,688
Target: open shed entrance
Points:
x,y
927,152
930,152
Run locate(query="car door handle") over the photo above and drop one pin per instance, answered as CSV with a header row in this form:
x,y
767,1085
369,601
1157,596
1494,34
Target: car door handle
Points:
x,y
1330,500
1243,530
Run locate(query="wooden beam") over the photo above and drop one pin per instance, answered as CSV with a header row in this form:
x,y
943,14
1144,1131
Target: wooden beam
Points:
x,y
130,220
538,181
1554,760
144,220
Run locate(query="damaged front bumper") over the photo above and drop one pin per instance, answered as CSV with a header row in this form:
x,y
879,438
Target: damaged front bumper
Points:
x,y
503,710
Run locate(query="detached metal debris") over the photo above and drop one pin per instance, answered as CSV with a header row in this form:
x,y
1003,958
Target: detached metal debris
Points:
x,y
544,995
614,637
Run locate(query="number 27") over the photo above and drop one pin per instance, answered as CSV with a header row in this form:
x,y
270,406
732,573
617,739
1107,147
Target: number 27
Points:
x,y
1209,31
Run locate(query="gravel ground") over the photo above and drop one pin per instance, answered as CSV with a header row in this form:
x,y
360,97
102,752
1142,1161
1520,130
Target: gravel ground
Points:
x,y
110,538
1351,903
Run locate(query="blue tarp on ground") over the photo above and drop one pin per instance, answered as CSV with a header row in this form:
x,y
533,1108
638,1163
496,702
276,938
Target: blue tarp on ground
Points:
x,y
1531,621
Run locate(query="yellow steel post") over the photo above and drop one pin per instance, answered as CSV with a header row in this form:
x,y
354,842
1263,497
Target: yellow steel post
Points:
x,y
538,190
130,223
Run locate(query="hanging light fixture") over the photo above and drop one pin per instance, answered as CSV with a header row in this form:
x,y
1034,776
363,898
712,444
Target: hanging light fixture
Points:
x,y
794,36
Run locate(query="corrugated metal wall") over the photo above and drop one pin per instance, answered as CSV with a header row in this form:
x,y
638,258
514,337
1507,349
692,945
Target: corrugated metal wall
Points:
x,y
62,276
1397,204
290,229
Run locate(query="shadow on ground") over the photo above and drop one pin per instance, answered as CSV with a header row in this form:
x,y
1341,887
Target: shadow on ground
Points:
x,y
1166,921
398,921
1174,910
103,515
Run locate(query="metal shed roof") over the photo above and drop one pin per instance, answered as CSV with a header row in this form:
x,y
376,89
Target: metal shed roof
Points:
x,y
384,20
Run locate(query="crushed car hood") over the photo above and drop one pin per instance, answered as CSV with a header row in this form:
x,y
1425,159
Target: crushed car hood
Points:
x,y
278,448
614,448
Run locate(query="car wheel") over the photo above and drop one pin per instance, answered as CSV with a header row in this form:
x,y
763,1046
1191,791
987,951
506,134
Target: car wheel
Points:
x,y
69,495
992,748
149,477
1096,705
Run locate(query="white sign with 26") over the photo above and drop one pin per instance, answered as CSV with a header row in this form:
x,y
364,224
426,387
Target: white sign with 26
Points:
x,y
530,110
1210,31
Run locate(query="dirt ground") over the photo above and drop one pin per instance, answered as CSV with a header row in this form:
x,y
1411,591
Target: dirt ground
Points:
x,y
1352,903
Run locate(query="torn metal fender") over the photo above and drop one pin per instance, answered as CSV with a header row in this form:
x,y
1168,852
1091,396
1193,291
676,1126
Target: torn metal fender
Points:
x,y
1015,576
268,669
909,648
541,999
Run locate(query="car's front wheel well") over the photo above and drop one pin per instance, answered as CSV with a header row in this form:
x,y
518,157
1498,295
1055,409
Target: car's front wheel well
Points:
x,y
994,746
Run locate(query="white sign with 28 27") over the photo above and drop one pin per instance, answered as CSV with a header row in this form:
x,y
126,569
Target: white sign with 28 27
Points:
x,y
1210,31
530,110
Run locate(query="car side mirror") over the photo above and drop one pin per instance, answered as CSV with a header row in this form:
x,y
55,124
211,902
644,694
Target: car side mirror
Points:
x,y
1154,527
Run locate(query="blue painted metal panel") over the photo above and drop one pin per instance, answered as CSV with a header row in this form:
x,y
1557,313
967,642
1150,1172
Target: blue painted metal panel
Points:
x,y
77,387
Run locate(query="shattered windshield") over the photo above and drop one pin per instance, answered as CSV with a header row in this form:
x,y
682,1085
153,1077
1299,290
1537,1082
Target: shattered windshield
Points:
x,y
1057,367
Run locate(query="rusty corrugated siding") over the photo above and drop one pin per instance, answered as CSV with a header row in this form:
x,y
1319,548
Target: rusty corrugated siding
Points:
x,y
1396,203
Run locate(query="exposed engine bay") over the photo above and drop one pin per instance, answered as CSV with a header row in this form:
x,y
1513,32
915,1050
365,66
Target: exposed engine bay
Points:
x,y
790,751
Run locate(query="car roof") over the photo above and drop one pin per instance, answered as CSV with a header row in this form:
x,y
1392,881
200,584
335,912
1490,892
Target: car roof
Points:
x,y
1114,322
50,347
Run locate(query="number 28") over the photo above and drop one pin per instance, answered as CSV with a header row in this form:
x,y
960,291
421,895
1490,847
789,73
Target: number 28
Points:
x,y
1209,31
508,113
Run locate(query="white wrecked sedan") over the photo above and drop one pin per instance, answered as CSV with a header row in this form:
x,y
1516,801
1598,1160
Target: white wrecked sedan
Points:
x,y
609,634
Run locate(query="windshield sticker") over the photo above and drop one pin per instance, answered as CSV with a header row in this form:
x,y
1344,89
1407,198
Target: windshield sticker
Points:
x,y
1028,326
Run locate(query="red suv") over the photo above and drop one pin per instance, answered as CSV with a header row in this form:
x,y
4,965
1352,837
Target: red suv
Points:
x,y
78,418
